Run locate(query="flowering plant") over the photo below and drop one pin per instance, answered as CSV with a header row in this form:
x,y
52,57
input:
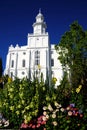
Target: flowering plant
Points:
x,y
58,117
22,100
39,122
18,104
3,122
35,105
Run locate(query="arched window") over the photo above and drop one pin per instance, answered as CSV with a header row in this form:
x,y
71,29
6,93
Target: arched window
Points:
x,y
23,63
37,57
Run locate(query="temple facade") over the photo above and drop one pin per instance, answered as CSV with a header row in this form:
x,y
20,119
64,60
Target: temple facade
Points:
x,y
38,56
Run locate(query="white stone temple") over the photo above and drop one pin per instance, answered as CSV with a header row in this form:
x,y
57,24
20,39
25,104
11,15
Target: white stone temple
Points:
x,y
38,56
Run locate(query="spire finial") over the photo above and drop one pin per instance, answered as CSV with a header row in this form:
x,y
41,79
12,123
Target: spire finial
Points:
x,y
40,10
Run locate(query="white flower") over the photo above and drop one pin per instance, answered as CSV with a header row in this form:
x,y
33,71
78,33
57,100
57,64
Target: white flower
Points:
x,y
47,116
44,118
57,104
44,113
54,123
62,110
6,123
44,108
68,108
0,124
57,110
53,115
50,108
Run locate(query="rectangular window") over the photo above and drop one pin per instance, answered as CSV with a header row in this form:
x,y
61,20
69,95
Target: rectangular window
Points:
x,y
23,63
11,74
52,62
12,63
37,58
51,52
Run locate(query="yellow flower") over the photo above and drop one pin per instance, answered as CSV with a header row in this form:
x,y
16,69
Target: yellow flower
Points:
x,y
11,96
23,111
9,80
17,112
39,67
80,86
19,106
11,90
78,89
22,101
12,108
54,80
21,95
25,121
27,118
27,107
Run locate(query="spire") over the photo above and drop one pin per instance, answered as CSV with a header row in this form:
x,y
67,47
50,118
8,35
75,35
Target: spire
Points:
x,y
39,26
40,11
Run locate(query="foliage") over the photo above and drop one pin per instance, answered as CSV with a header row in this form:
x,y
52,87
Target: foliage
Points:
x,y
73,53
1,68
22,100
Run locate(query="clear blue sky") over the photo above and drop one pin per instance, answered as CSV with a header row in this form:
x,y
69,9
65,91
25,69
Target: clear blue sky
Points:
x,y
17,17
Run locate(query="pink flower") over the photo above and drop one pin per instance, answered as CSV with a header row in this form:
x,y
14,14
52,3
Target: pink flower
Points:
x,y
23,125
38,125
81,115
69,113
33,126
30,125
43,122
39,122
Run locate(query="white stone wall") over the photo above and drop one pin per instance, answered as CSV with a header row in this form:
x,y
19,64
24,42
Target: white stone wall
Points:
x,y
57,68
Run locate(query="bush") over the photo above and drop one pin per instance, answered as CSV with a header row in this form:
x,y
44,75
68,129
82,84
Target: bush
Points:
x,y
22,100
35,105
